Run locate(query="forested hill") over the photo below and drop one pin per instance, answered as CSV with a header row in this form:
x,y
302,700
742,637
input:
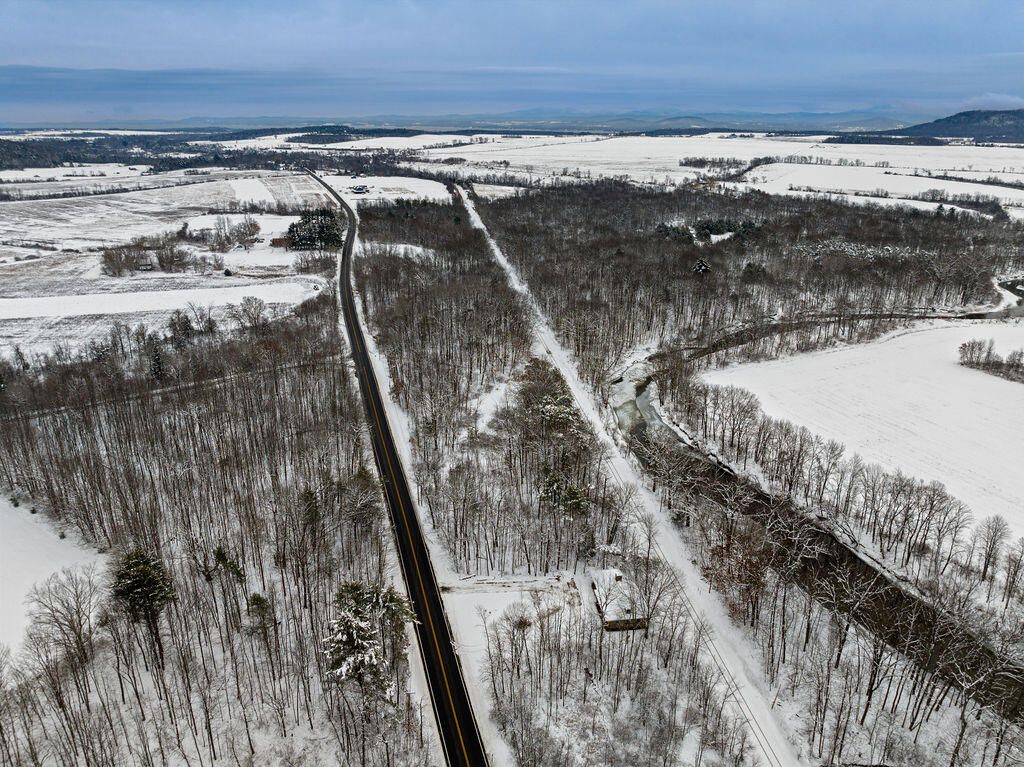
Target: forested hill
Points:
x,y
987,124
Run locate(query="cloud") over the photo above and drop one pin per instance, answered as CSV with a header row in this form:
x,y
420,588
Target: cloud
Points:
x,y
345,57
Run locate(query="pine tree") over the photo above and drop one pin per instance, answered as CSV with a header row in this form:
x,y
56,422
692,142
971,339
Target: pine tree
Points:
x,y
366,636
156,364
143,588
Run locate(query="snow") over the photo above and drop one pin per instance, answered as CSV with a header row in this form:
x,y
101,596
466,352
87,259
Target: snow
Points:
x,y
730,652
30,551
862,199
261,255
83,222
388,188
399,143
776,178
289,291
66,134
496,191
905,403
251,190
85,184
84,170
467,606
405,250
655,159
638,157
275,141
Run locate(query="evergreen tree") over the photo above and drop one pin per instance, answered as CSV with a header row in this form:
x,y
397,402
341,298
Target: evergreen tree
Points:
x,y
156,364
366,638
143,588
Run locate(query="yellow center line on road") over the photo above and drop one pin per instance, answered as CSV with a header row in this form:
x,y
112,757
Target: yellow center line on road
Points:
x,y
353,323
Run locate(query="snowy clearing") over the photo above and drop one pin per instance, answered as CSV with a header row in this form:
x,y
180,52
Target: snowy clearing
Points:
x,y
905,403
83,222
656,158
77,171
30,551
388,188
496,191
118,183
78,133
290,291
399,142
778,178
262,255
275,141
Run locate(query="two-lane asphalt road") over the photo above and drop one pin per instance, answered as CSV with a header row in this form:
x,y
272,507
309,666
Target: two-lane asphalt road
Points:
x,y
460,737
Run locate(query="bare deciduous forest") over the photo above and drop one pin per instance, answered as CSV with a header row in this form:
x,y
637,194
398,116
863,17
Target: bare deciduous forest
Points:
x,y
514,481
620,269
616,267
246,613
223,472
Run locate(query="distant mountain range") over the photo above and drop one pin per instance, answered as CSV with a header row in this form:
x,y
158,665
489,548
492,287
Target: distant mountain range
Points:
x,y
982,125
979,124
648,121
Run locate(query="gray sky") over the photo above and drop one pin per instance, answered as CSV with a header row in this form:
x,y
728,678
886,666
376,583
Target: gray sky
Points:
x,y
181,58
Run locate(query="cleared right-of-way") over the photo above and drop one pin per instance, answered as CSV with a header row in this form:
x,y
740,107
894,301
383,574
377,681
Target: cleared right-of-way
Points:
x,y
750,701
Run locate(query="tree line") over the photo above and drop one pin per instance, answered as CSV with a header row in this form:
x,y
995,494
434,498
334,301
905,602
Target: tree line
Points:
x,y
982,355
604,268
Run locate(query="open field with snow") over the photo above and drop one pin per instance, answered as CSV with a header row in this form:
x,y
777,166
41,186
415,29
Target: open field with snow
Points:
x,y
851,172
86,222
76,133
288,291
868,181
78,171
50,262
76,320
397,143
388,188
52,289
905,403
30,551
70,186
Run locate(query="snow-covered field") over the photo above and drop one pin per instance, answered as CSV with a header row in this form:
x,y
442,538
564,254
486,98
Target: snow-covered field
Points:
x,y
76,133
30,551
84,222
77,171
275,141
496,191
399,142
638,157
287,291
388,188
261,256
783,178
905,403
37,323
128,181
656,160
50,265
